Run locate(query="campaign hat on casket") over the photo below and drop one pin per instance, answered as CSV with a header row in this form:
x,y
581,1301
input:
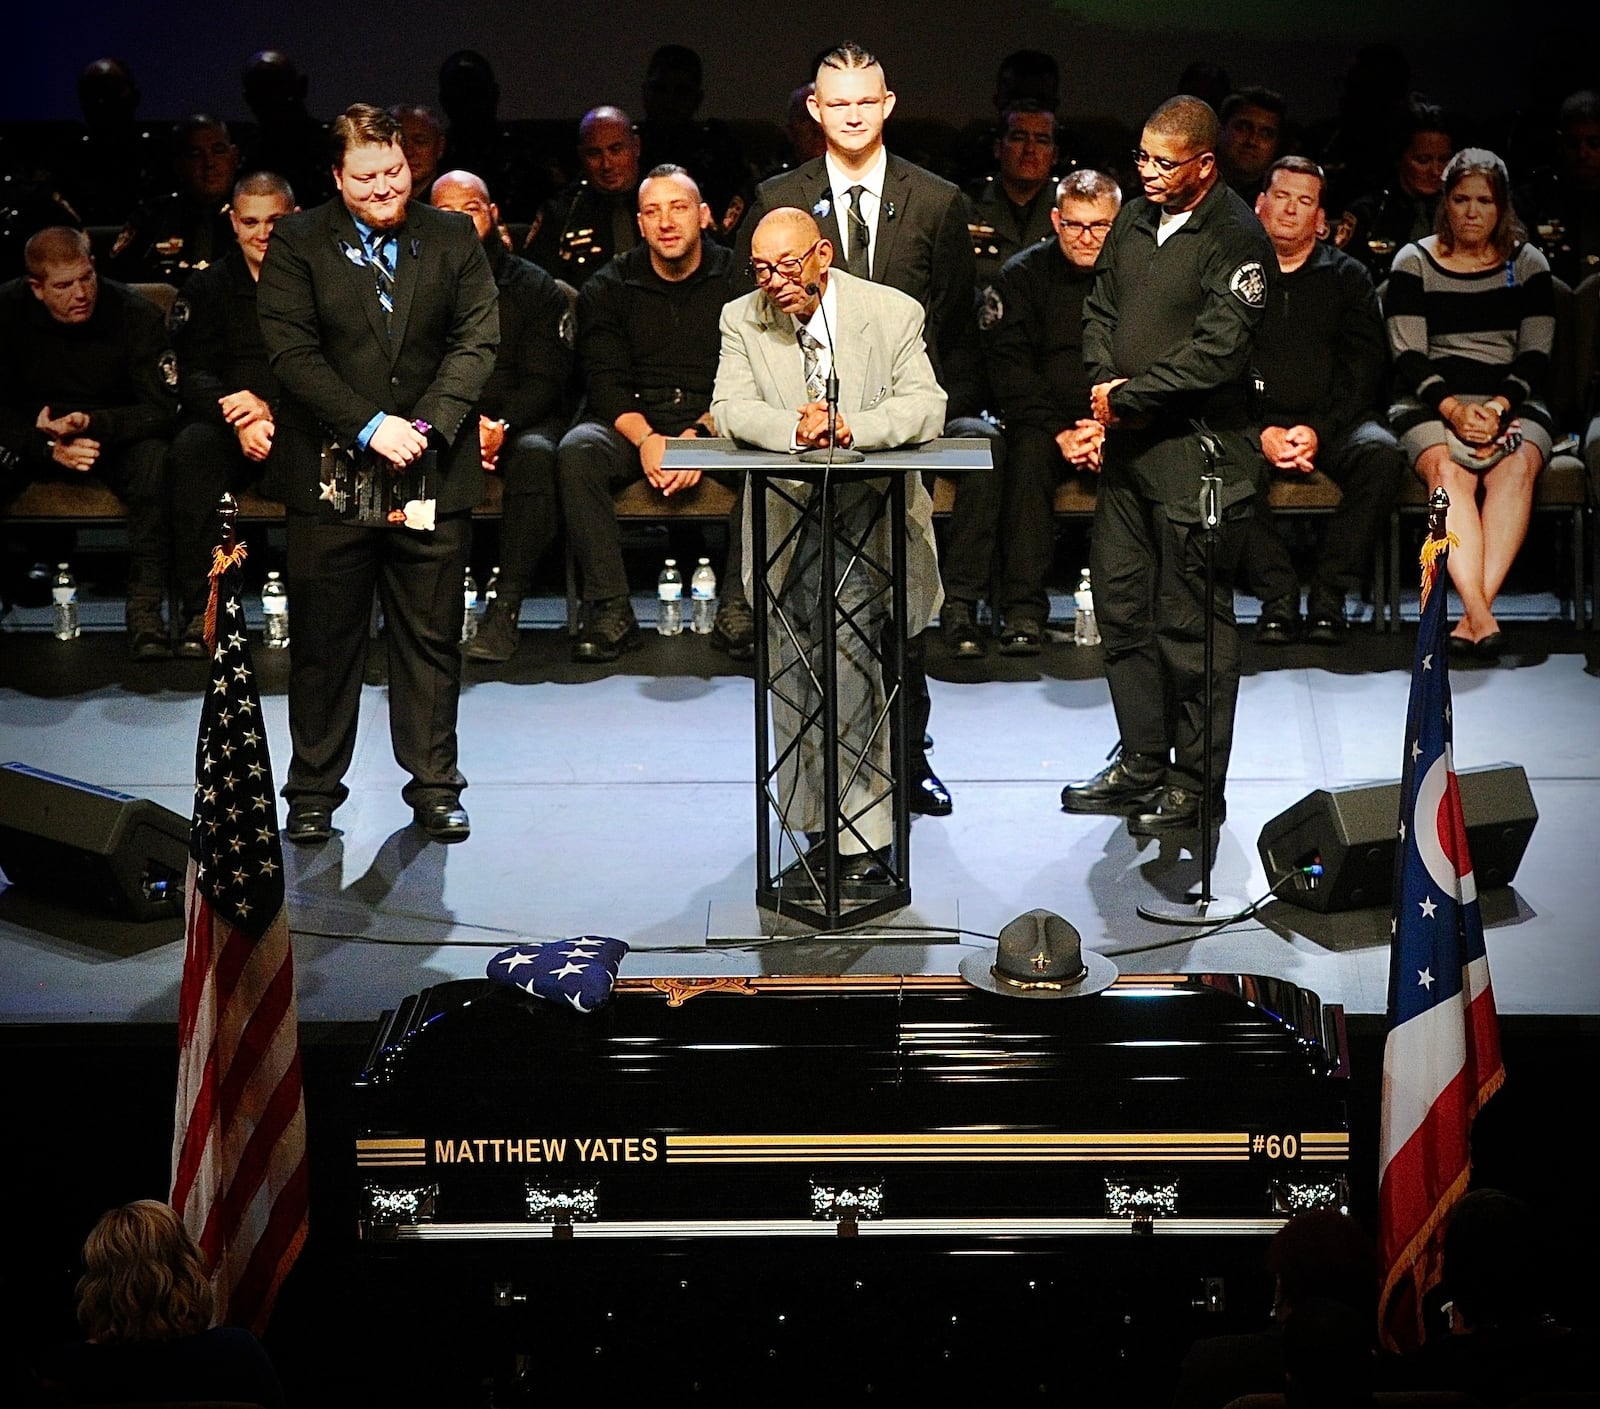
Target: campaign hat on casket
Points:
x,y
1039,955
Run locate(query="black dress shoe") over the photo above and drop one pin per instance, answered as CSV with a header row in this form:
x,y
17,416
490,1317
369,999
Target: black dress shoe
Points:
x,y
147,643
1325,623
863,867
309,824
496,640
1131,782
1488,647
1279,624
192,644
958,624
1021,636
930,797
734,629
612,629
1176,810
443,821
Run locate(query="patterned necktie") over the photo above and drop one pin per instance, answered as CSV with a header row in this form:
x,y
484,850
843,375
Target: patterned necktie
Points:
x,y
383,274
859,259
816,383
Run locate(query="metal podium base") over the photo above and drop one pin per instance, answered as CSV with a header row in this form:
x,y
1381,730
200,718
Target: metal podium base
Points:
x,y
1196,909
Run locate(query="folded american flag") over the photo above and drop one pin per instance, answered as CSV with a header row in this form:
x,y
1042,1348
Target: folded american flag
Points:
x,y
577,972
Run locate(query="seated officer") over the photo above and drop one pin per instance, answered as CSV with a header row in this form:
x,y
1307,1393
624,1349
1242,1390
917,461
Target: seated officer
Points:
x,y
672,130
1323,357
1012,209
167,239
522,412
584,225
422,140
88,386
227,393
648,342
1033,345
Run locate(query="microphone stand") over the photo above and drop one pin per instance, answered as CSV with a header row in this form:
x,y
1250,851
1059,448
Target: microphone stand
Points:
x,y
1202,907
831,456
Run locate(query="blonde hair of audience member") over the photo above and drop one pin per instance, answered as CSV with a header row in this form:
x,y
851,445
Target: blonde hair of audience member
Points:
x,y
143,1278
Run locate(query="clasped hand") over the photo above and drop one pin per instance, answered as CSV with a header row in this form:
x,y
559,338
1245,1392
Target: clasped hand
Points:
x,y
1290,448
399,442
812,429
69,447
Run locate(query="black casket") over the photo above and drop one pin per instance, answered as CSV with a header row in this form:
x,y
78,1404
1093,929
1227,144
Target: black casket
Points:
x,y
841,1185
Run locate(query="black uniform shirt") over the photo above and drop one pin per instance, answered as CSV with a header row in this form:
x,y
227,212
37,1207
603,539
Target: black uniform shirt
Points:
x,y
1033,339
647,344
1321,348
218,340
533,368
118,367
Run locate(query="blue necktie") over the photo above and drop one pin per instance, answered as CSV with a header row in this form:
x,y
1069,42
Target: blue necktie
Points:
x,y
383,274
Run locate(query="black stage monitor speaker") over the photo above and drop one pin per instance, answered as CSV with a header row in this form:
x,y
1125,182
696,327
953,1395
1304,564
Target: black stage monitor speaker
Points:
x,y
90,847
1351,831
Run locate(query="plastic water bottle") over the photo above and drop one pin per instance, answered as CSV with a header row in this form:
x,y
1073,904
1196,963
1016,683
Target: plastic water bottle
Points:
x,y
669,600
703,598
275,612
1085,630
64,604
469,614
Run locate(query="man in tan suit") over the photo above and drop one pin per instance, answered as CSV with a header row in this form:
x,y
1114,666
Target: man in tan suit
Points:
x,y
778,346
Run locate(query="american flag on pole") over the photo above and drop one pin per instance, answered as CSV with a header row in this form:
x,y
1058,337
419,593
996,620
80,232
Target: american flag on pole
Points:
x,y
1441,1060
239,1176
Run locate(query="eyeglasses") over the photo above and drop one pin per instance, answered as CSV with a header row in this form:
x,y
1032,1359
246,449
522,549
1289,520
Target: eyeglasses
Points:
x,y
1165,165
1073,229
790,267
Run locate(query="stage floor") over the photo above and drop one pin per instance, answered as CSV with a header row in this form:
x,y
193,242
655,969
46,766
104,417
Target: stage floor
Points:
x,y
618,800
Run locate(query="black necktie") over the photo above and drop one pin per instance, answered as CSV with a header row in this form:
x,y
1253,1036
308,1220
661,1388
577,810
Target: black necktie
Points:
x,y
858,260
383,274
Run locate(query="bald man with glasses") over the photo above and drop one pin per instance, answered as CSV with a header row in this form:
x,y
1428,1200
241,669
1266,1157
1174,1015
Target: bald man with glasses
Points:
x,y
1169,327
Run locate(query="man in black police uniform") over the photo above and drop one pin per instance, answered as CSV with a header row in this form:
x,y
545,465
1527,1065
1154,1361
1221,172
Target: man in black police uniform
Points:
x,y
900,225
287,138
1324,357
1033,344
88,387
648,342
673,132
523,412
584,225
167,239
399,382
1011,210
227,391
1169,323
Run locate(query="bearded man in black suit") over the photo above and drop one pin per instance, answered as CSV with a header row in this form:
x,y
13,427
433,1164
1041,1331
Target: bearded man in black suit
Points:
x,y
381,323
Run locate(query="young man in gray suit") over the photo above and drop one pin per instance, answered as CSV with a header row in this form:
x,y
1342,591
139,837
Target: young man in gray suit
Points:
x,y
381,323
778,346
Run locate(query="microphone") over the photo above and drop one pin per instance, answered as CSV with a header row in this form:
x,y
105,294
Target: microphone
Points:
x,y
833,455
1210,481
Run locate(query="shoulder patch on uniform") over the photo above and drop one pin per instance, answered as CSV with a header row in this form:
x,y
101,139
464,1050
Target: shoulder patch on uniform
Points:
x,y
169,369
567,328
180,313
1249,284
992,310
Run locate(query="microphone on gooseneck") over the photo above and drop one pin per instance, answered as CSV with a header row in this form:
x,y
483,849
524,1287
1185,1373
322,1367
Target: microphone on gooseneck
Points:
x,y
815,290
831,390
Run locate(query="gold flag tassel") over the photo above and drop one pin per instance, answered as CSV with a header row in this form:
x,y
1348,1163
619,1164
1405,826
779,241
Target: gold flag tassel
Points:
x,y
1437,545
230,553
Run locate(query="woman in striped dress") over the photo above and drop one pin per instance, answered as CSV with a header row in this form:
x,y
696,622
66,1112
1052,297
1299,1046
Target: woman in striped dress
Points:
x,y
1471,318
